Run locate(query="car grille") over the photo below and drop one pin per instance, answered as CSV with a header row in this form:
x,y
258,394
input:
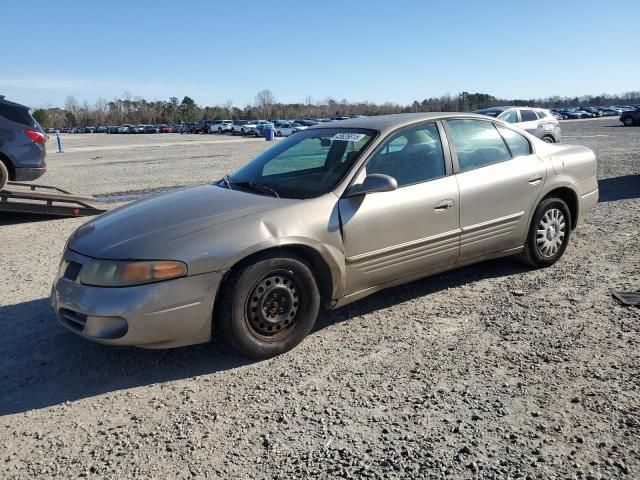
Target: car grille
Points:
x,y
75,320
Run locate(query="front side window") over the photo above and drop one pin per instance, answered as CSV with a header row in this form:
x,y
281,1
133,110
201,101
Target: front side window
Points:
x,y
518,145
509,117
477,143
305,165
528,116
414,155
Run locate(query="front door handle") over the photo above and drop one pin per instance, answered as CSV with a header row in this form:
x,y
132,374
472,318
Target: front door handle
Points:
x,y
443,205
534,179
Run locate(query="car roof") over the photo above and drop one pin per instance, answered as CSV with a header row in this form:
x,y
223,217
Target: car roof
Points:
x,y
391,122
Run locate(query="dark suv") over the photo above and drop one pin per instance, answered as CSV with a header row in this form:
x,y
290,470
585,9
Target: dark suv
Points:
x,y
22,140
631,117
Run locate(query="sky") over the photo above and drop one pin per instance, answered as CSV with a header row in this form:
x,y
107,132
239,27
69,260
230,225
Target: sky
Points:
x,y
375,50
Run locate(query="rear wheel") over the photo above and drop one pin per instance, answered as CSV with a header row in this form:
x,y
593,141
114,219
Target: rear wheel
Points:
x,y
268,307
549,233
4,175
628,121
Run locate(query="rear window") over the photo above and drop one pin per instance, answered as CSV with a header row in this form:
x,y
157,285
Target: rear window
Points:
x,y
16,114
541,114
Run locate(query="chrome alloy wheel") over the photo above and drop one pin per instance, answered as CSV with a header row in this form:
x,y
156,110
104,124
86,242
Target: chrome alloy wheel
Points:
x,y
551,232
273,305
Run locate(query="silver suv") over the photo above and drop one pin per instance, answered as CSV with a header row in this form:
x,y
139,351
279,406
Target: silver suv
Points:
x,y
536,121
22,144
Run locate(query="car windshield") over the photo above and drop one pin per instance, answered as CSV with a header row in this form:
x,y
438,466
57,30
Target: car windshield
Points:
x,y
305,165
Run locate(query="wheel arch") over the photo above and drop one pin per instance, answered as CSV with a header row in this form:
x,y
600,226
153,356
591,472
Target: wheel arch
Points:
x,y
9,164
327,273
569,196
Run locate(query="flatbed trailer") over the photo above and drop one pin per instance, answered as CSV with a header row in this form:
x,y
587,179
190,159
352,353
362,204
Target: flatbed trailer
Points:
x,y
46,200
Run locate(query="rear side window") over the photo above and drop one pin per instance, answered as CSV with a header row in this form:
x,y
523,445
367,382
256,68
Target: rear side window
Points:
x,y
15,114
510,117
518,145
477,144
528,116
412,156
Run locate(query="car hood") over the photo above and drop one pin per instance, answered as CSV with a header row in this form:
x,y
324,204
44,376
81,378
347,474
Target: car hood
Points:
x,y
141,229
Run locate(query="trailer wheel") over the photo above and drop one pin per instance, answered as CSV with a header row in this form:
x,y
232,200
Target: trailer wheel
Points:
x,y
4,175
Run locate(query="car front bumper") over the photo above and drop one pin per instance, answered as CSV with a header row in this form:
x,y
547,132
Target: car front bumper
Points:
x,y
166,314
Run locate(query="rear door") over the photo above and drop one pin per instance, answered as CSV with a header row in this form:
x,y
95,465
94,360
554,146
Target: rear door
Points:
x,y
529,121
500,179
409,231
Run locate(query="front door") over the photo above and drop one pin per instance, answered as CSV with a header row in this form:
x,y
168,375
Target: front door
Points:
x,y
409,231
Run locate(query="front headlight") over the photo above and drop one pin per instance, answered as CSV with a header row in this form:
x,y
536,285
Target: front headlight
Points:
x,y
112,273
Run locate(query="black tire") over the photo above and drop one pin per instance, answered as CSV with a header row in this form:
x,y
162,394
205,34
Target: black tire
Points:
x,y
627,121
533,253
4,175
242,131
219,131
268,307
548,139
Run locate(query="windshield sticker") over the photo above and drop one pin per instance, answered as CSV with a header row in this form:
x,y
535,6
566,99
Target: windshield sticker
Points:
x,y
348,137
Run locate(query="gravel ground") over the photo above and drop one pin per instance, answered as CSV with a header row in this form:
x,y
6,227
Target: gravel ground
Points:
x,y
491,371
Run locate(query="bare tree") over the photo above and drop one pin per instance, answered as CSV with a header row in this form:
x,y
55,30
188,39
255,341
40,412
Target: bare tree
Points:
x,y
265,101
228,106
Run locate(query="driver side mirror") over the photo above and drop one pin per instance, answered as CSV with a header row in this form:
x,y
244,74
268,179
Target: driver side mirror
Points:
x,y
374,182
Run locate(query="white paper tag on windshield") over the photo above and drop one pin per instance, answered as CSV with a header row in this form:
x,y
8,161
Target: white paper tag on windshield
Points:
x,y
348,137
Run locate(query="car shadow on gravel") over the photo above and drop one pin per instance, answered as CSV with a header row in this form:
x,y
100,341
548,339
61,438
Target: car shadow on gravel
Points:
x,y
619,188
45,365
500,268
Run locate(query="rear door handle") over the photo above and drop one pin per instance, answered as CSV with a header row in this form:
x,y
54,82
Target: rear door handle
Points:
x,y
443,205
534,179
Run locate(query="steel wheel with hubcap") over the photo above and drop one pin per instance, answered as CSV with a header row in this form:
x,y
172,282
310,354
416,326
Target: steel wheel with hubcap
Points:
x,y
267,307
549,233
548,139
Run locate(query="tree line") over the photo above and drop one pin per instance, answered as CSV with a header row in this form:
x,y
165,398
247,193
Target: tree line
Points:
x,y
137,110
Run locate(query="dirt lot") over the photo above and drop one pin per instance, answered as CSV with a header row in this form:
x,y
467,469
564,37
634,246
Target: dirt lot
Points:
x,y
492,371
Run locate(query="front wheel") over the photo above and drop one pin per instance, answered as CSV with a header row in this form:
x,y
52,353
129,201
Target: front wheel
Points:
x,y
268,307
548,139
549,233
628,121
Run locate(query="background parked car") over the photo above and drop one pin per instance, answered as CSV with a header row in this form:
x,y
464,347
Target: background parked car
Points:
x,y
630,118
22,144
288,128
537,121
220,126
262,126
242,127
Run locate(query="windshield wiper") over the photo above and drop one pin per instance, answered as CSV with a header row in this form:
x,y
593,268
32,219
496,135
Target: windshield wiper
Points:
x,y
257,186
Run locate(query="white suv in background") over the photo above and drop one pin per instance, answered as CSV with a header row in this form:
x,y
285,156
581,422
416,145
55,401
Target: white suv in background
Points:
x,y
220,126
537,121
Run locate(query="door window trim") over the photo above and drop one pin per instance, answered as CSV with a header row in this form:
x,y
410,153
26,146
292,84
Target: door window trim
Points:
x,y
454,154
444,142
